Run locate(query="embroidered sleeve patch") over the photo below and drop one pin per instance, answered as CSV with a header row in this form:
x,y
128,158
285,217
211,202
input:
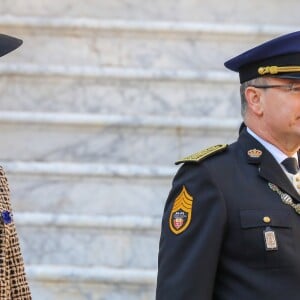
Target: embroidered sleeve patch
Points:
x,y
181,214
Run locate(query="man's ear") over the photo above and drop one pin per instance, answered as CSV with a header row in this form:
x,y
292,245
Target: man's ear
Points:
x,y
254,98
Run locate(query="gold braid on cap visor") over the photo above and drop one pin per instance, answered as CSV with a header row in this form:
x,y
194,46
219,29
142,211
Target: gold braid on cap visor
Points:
x,y
275,70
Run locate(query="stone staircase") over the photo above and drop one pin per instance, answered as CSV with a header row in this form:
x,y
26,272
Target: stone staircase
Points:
x,y
96,106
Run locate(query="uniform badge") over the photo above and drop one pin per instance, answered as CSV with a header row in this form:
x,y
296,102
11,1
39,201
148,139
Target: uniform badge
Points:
x,y
270,239
255,153
181,214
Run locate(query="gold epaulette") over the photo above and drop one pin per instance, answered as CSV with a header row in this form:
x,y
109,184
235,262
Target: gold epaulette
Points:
x,y
198,156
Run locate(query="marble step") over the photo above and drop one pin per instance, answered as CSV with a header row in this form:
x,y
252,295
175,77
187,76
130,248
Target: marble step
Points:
x,y
191,10
113,91
137,140
61,282
89,189
131,44
89,240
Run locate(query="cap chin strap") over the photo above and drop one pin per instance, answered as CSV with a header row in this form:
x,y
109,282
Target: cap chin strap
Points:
x,y
275,70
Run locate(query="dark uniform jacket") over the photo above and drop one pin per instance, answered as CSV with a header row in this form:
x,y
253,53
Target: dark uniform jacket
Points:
x,y
13,283
222,254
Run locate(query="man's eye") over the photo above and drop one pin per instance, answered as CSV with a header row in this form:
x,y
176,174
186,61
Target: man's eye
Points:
x,y
295,89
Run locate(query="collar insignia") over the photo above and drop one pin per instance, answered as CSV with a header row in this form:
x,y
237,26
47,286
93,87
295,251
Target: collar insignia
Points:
x,y
254,153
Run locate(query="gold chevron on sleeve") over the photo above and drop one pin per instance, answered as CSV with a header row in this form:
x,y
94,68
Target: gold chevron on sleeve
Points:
x,y
181,214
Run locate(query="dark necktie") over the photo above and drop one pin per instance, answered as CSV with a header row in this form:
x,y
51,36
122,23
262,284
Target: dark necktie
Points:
x,y
291,165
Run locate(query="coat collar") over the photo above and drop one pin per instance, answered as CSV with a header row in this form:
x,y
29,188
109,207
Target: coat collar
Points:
x,y
268,168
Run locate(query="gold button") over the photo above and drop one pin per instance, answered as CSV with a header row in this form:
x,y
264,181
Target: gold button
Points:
x,y
267,219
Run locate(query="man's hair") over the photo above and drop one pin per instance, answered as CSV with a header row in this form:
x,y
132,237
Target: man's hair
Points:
x,y
244,85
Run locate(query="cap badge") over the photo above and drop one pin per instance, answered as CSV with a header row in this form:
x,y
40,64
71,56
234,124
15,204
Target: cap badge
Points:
x,y
181,214
254,153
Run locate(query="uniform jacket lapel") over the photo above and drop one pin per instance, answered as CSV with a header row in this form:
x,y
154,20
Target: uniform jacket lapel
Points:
x,y
268,168
271,171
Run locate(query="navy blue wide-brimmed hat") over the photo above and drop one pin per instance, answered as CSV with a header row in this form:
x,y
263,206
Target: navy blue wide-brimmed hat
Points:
x,y
279,57
8,44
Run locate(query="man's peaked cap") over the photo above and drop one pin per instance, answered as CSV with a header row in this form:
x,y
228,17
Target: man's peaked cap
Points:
x,y
279,57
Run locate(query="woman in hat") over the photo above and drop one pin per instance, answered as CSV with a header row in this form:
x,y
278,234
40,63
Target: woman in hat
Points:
x,y
13,283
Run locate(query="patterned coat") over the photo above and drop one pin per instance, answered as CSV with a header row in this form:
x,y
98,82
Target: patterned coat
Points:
x,y
13,283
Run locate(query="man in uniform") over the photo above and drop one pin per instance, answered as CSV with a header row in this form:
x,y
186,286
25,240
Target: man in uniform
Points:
x,y
231,224
13,284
